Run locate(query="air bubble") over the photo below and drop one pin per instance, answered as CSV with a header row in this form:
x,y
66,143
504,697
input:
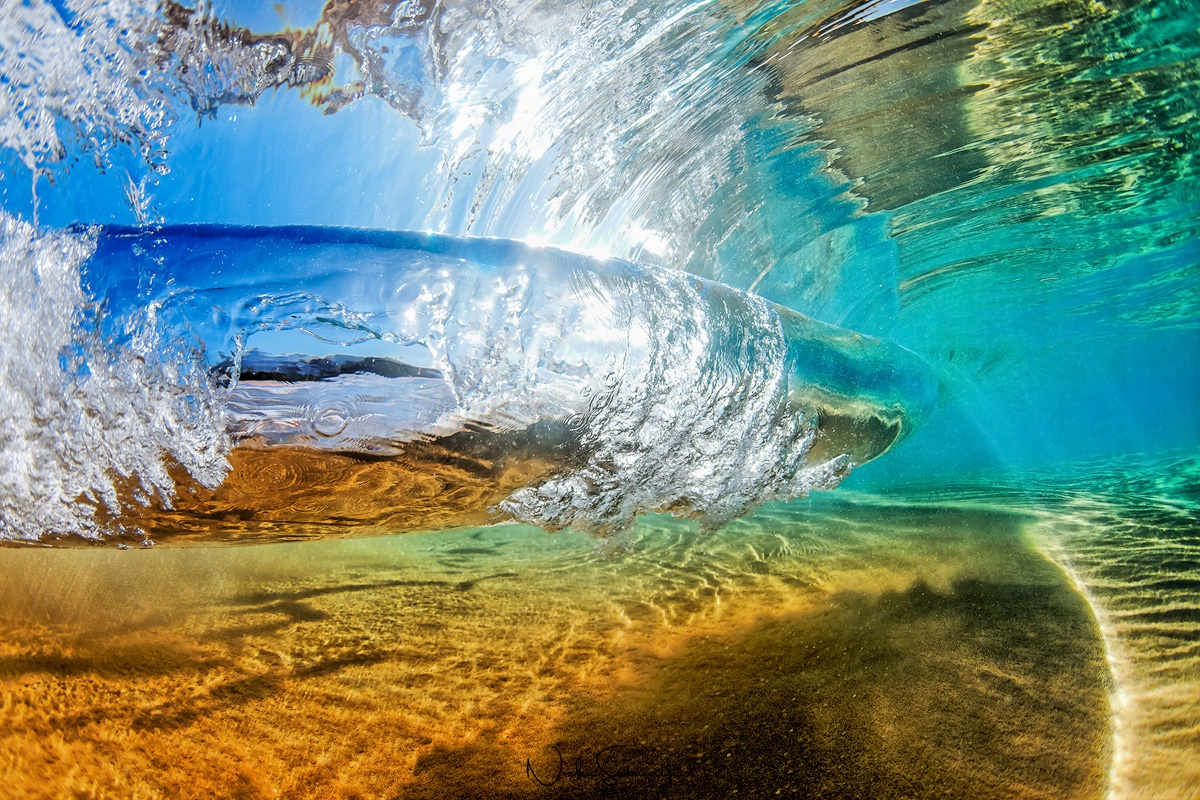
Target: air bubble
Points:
x,y
330,422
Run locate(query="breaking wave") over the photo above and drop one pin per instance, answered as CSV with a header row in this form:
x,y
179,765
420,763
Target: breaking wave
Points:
x,y
145,357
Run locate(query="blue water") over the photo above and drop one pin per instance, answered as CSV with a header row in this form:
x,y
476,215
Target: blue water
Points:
x,y
1028,206
983,219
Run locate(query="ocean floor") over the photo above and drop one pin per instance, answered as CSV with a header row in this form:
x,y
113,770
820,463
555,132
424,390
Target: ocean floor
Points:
x,y
836,647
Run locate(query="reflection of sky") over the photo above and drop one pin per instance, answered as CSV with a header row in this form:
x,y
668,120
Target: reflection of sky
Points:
x,y
283,161
280,161
262,17
876,10
303,343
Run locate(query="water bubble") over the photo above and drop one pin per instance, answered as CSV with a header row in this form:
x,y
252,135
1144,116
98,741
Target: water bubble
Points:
x,y
330,422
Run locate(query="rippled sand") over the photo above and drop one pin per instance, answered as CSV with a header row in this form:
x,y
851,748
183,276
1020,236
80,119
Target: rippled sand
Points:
x,y
828,649
291,493
1140,564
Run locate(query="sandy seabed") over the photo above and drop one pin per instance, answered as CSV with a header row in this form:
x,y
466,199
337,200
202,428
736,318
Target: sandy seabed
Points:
x,y
832,648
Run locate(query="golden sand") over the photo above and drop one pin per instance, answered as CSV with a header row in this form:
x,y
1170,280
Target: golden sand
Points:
x,y
839,650
293,493
289,493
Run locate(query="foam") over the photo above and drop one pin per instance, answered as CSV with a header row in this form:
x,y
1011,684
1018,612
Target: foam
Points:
x,y
81,418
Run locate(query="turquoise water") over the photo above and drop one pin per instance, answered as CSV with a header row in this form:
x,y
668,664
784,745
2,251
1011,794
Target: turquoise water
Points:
x,y
982,218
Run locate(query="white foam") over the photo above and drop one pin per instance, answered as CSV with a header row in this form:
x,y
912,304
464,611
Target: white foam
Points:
x,y
79,70
695,419
79,418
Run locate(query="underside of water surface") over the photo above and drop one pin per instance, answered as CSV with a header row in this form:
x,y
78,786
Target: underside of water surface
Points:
x,y
600,399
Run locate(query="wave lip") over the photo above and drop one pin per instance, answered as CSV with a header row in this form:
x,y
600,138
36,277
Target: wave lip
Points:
x,y
585,391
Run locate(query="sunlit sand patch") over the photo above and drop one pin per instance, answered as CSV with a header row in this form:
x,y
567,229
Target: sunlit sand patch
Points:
x,y
820,649
1137,560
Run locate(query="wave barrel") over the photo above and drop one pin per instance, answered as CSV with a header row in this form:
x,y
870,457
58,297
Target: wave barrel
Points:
x,y
302,382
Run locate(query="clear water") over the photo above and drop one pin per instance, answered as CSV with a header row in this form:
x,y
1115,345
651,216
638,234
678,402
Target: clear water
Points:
x,y
958,241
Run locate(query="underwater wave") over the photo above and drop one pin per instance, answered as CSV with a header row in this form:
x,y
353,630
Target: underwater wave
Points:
x,y
527,383
1006,187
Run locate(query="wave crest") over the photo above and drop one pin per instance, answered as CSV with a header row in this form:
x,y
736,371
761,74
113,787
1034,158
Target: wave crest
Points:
x,y
583,392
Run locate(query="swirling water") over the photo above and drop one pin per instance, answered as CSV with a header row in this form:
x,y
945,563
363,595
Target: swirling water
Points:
x,y
996,198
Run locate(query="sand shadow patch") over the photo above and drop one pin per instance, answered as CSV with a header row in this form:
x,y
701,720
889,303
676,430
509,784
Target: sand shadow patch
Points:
x,y
985,690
